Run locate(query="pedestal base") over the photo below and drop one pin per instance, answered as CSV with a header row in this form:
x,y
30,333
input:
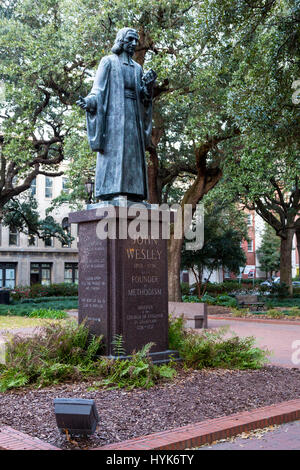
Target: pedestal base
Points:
x,y
161,357
123,282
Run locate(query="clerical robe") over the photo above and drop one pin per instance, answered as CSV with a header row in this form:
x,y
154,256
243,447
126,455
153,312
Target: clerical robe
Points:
x,y
119,124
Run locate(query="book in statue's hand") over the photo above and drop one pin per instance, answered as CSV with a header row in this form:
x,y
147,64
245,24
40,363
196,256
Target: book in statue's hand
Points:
x,y
149,77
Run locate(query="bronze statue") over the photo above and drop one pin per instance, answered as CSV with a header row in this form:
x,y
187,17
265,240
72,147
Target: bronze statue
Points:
x,y
119,121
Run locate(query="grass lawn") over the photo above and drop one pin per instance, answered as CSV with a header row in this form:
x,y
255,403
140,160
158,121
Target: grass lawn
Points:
x,y
12,322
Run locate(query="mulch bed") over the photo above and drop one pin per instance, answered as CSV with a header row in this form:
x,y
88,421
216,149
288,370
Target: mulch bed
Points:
x,y
192,397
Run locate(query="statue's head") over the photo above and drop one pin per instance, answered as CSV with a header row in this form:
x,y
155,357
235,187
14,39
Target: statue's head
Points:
x,y
127,39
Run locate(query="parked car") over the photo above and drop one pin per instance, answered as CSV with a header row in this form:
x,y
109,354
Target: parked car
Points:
x,y
267,283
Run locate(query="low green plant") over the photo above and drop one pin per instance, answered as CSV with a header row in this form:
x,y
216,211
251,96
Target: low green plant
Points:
x,y
136,372
55,354
273,313
211,349
118,345
293,311
24,309
48,313
237,312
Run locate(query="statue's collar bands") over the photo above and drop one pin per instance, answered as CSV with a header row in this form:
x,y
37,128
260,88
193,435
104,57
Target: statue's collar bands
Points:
x,y
126,59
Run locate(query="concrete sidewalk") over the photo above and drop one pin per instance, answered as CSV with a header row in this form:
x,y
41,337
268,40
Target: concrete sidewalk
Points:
x,y
284,437
277,338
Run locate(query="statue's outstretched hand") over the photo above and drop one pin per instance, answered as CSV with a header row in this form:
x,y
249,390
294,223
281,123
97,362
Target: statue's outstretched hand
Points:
x,y
82,102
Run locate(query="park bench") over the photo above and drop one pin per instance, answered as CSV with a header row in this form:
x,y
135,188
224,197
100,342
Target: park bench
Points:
x,y
249,301
194,314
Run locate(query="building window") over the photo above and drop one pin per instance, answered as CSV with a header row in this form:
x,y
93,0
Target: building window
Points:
x,y
32,240
250,246
33,187
67,228
226,274
71,273
13,239
0,234
40,273
7,275
65,185
249,220
49,242
48,187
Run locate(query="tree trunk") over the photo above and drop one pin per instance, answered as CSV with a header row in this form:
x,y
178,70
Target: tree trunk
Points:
x,y
286,259
205,181
174,261
298,246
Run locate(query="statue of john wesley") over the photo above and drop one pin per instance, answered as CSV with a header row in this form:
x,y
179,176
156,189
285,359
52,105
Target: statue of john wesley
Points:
x,y
119,121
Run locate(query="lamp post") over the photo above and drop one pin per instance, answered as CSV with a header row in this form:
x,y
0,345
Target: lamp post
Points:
x,y
89,187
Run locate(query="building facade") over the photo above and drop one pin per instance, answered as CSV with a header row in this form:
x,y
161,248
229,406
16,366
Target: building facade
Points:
x,y
252,269
28,260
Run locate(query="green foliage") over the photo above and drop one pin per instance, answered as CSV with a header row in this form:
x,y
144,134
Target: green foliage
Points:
x,y
47,313
273,313
57,353
222,242
118,345
185,288
23,215
136,372
269,252
38,290
211,349
223,300
279,290
24,309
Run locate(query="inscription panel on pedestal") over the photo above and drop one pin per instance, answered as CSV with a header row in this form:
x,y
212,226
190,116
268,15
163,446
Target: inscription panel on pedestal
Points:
x,y
144,293
93,285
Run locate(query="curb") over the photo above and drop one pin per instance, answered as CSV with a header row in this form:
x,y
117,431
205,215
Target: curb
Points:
x,y
254,320
212,430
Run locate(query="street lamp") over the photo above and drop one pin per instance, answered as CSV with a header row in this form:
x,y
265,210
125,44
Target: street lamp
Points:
x,y
89,187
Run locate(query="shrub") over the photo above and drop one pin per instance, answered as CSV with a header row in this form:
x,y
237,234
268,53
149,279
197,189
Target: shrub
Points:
x,y
211,349
24,309
294,311
60,353
136,372
185,288
39,290
279,290
55,354
273,313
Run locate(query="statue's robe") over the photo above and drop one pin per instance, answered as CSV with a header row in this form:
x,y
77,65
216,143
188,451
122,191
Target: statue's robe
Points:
x,y
119,130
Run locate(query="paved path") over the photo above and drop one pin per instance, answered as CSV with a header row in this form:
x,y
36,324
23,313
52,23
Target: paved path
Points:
x,y
285,437
277,338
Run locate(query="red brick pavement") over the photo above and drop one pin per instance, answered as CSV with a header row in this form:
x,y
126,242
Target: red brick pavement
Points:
x,y
10,439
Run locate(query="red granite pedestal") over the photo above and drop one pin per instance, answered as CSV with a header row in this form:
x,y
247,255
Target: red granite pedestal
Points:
x,y
123,281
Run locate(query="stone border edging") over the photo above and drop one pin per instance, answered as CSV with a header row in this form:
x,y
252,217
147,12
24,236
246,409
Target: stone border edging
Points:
x,y
206,432
255,320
